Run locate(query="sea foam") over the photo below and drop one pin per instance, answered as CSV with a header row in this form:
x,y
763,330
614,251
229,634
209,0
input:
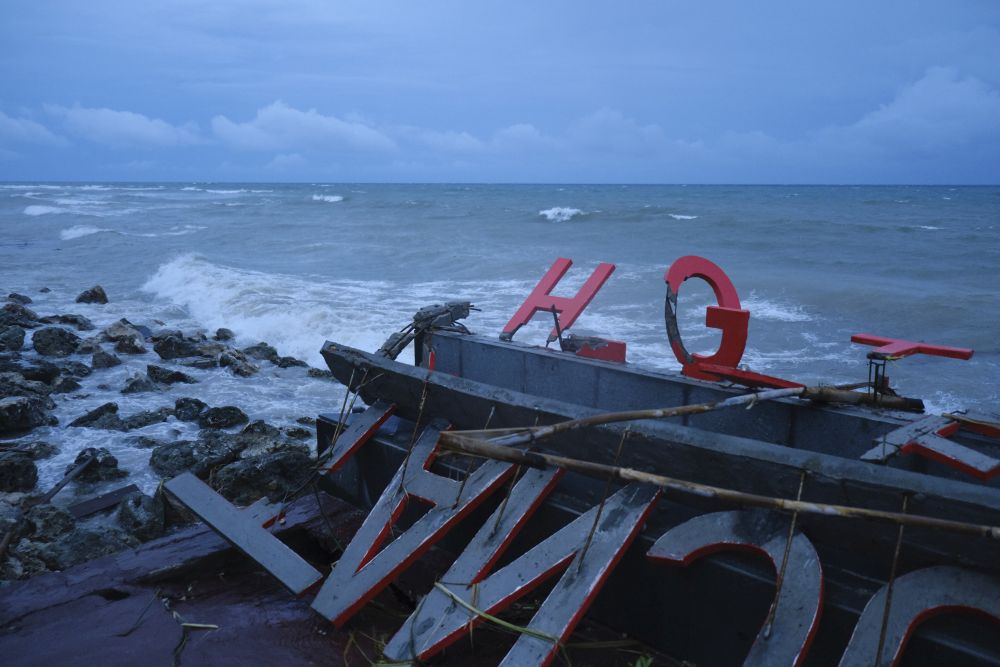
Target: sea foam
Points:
x,y
79,231
678,216
560,213
332,199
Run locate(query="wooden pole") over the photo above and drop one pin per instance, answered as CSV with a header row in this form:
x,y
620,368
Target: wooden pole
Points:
x,y
472,446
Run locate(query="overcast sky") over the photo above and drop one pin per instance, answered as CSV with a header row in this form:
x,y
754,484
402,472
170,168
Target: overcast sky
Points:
x,y
483,91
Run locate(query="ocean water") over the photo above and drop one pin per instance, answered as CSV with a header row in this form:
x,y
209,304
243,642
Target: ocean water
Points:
x,y
297,264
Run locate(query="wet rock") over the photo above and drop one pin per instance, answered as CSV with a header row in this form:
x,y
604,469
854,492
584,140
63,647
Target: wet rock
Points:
x,y
89,345
43,371
237,363
55,341
46,523
223,334
273,475
262,351
78,321
174,347
76,546
141,517
306,421
298,433
104,416
11,338
95,294
19,298
146,442
202,363
14,314
188,409
15,384
37,450
123,329
65,385
290,362
166,376
130,346
21,413
199,457
209,349
18,472
138,383
320,373
143,419
223,417
75,369
102,359
9,516
103,468
44,290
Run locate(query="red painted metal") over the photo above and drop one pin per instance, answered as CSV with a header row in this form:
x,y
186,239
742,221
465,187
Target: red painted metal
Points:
x,y
569,308
606,350
897,348
745,378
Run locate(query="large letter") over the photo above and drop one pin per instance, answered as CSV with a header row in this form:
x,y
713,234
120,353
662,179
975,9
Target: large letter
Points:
x,y
796,608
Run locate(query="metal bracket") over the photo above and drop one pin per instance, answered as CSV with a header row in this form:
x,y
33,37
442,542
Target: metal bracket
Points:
x,y
928,437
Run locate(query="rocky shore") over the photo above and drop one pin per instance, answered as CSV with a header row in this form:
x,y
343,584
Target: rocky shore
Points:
x,y
44,356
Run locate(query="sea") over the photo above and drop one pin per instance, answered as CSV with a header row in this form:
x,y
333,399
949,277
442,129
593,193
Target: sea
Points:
x,y
297,264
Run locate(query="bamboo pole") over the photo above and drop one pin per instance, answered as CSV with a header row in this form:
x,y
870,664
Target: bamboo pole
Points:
x,y
472,446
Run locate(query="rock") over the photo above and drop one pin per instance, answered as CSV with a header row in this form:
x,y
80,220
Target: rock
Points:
x,y
273,475
143,419
138,383
55,341
43,371
21,413
130,346
65,385
102,359
123,329
89,345
102,469
166,376
223,334
46,523
100,417
19,298
188,409
298,433
223,417
306,421
146,442
141,516
173,347
213,350
238,364
76,546
290,362
320,373
262,351
78,321
9,516
18,472
14,314
95,294
44,290
203,363
15,384
11,338
37,450
199,457
75,369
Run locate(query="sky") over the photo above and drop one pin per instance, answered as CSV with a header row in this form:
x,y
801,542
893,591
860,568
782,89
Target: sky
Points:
x,y
523,92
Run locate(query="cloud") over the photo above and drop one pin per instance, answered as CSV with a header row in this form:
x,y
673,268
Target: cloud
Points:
x,y
23,130
279,127
123,129
286,161
610,131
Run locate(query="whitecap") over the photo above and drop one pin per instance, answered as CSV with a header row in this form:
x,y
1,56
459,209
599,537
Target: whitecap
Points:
x,y
678,216
928,227
35,210
765,309
332,199
560,213
191,188
226,192
81,230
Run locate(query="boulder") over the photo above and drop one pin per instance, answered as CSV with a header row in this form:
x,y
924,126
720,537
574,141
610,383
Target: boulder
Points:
x,y
43,371
44,290
210,349
104,416
124,329
262,351
130,346
19,298
201,457
103,468
95,294
65,385
140,516
137,383
21,413
76,546
202,363
223,334
174,347
14,314
102,359
46,523
274,475
290,362
89,345
223,417
15,384
18,472
298,433
74,369
55,341
320,373
11,338
37,449
237,363
166,376
146,418
188,409
78,321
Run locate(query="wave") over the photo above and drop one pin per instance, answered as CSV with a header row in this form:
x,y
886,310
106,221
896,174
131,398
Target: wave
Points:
x,y
560,213
81,230
191,188
678,216
764,309
36,209
79,209
928,227
332,199
227,192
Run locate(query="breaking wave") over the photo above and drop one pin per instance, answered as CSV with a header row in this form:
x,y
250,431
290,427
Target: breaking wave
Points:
x,y
560,213
79,231
764,309
332,199
678,216
36,209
